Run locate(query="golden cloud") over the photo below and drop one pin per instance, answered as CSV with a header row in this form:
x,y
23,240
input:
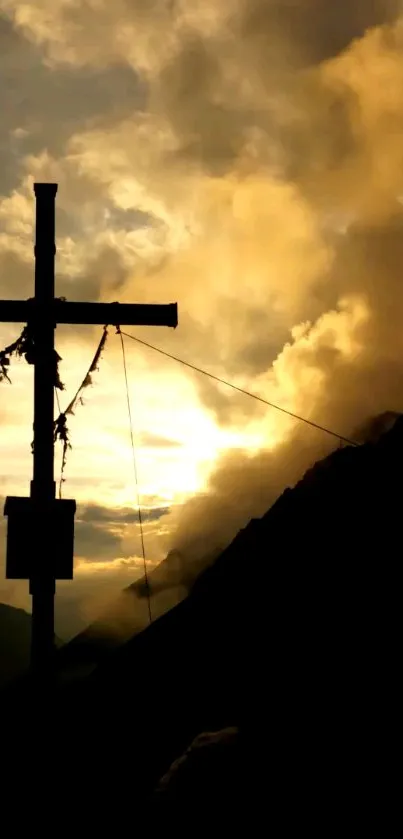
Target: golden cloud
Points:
x,y
267,159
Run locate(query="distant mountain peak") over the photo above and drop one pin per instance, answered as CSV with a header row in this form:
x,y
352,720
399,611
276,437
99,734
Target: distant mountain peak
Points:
x,y
375,427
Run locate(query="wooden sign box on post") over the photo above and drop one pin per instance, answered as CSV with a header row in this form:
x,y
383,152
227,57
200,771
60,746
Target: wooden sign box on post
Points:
x,y
32,528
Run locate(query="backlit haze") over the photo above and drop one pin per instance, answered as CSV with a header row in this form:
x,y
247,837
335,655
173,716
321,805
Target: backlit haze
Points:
x,y
244,159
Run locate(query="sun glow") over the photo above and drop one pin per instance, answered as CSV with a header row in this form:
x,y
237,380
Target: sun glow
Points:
x,y
181,468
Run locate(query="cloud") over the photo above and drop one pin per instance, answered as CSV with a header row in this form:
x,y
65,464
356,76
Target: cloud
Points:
x,y
95,586
316,30
95,542
101,532
255,175
42,108
153,441
113,517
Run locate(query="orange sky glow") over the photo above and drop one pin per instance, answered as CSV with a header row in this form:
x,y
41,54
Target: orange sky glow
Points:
x,y
257,186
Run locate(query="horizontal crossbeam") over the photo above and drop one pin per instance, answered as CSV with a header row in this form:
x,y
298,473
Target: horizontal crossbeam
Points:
x,y
119,314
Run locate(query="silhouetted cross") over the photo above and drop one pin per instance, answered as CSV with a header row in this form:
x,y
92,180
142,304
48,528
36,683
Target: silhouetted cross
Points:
x,y
39,514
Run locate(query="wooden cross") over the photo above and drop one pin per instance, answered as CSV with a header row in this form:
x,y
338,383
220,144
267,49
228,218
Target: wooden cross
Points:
x,y
37,524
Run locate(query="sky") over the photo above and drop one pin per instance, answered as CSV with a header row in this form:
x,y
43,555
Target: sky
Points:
x,y
243,159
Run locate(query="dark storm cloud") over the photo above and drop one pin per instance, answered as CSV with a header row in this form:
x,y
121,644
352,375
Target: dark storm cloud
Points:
x,y
95,542
210,129
199,88
119,516
249,356
369,259
105,268
100,531
369,263
15,273
17,276
47,107
310,31
130,219
41,109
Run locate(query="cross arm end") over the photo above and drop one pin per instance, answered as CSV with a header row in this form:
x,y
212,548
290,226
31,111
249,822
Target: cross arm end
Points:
x,y
15,311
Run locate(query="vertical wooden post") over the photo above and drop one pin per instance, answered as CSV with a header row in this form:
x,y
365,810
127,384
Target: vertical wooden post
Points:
x,y
47,519
42,582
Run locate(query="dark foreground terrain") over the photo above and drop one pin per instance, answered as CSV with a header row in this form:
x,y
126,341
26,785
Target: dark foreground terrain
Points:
x,y
289,644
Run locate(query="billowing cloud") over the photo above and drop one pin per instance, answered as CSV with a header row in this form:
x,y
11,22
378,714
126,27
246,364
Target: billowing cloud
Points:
x,y
253,173
96,514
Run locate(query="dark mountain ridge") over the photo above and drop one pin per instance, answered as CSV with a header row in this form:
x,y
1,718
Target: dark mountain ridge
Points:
x,y
292,630
172,580
128,614
292,636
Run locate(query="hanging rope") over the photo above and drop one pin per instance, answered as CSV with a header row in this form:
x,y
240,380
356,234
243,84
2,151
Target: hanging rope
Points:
x,y
61,431
25,346
244,392
146,580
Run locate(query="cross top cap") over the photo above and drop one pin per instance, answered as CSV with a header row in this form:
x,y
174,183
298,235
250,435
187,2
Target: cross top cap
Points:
x,y
45,189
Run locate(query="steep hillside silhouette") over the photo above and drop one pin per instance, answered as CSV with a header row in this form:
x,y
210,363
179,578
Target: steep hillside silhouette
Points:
x,y
292,635
128,614
172,580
